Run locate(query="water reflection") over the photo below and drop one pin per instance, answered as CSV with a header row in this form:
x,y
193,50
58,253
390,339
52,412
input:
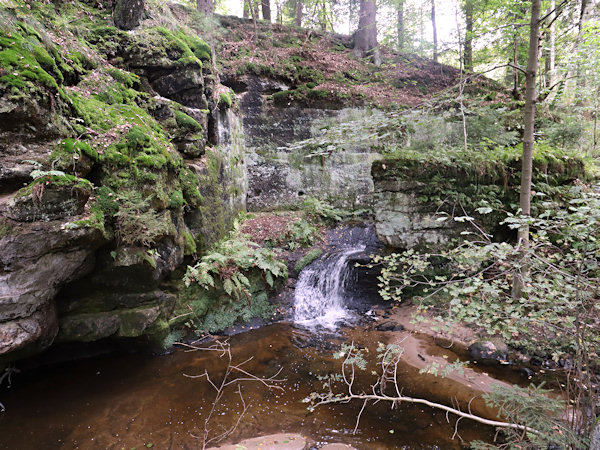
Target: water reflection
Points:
x,y
126,401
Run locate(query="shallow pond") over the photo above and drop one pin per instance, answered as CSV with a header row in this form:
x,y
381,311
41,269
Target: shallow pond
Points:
x,y
127,401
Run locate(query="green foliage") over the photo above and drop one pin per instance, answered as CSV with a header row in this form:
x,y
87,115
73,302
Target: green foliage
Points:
x,y
300,233
173,337
224,315
227,266
321,210
230,283
560,274
535,408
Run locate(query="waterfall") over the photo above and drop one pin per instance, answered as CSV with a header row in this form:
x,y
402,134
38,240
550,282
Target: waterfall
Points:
x,y
321,292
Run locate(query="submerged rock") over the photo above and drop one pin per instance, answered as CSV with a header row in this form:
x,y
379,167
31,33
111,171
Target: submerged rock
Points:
x,y
281,441
389,326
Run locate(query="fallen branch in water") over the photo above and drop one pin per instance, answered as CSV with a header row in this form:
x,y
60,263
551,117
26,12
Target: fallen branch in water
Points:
x,y
234,374
389,359
7,375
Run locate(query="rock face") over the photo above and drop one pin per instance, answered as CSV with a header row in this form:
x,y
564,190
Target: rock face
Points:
x,y
403,221
85,259
280,176
34,263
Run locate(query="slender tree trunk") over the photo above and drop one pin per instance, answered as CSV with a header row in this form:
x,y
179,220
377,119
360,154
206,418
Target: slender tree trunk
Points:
x,y
515,64
365,41
299,11
246,4
529,118
323,15
400,25
421,32
279,12
552,47
205,6
266,9
435,40
468,51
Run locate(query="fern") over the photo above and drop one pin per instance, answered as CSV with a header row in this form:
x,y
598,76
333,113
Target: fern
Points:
x,y
227,266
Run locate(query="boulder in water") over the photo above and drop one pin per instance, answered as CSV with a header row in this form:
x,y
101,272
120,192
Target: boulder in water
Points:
x,y
389,326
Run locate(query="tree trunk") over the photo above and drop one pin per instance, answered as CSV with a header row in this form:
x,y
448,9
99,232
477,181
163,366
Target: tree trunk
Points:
x,y
299,11
365,41
529,118
246,9
515,65
279,18
552,48
128,13
468,51
266,9
205,6
400,25
435,40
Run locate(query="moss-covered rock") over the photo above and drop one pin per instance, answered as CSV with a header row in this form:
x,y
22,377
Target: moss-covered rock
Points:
x,y
417,195
50,197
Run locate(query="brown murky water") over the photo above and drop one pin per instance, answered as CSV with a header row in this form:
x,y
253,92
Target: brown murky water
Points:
x,y
133,401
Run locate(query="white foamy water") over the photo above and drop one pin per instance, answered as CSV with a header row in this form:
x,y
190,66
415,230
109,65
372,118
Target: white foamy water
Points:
x,y
320,296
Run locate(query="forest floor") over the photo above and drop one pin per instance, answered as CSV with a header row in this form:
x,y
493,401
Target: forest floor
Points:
x,y
324,62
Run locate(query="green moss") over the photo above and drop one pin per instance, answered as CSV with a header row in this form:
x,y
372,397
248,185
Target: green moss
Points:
x,y
127,79
64,180
72,146
226,99
95,220
5,230
189,186
23,59
189,244
159,43
154,161
187,122
176,200
312,255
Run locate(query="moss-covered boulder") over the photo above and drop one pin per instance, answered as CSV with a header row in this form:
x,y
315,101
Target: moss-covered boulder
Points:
x,y
418,198
50,197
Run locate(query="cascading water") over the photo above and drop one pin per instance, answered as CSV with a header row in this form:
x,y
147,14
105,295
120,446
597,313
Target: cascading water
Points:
x,y
321,292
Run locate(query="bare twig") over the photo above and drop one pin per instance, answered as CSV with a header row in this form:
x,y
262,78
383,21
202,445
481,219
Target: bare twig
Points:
x,y
228,378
